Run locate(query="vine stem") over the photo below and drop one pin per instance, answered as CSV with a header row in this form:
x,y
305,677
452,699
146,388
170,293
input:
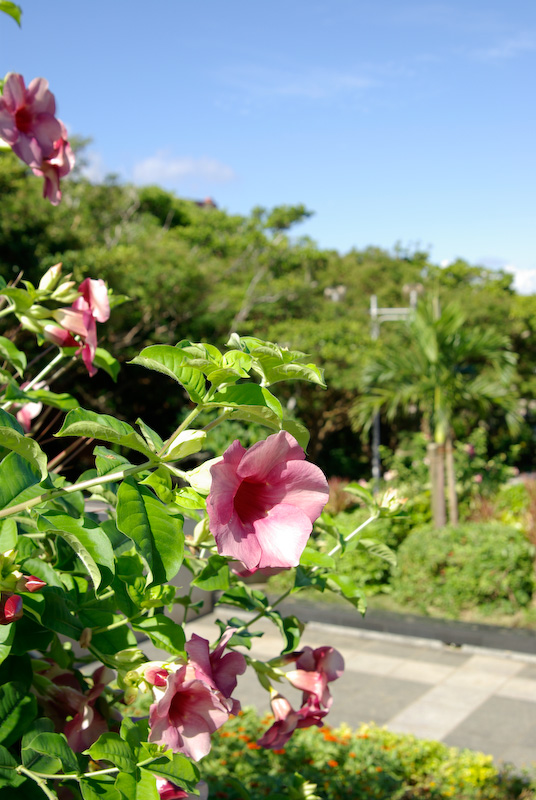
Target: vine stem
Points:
x,y
351,535
39,780
168,444
74,487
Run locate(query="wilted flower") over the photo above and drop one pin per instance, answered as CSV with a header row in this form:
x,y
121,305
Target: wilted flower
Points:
x,y
196,699
263,502
287,721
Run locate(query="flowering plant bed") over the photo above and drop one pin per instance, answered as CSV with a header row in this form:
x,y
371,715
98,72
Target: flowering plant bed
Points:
x,y
370,762
79,590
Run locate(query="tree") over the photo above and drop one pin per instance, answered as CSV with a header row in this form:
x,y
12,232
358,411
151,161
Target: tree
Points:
x,y
443,368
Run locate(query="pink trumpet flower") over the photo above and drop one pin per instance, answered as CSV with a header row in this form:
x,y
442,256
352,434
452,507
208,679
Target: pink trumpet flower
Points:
x,y
81,320
263,502
287,721
29,125
314,670
196,700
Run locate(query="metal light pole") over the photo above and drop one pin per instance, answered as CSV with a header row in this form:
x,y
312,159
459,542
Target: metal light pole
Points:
x,y
377,316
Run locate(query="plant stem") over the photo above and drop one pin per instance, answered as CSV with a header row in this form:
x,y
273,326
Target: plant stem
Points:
x,y
49,367
351,535
39,780
168,444
75,487
219,419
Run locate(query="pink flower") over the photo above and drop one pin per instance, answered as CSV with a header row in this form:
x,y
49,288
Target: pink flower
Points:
x,y
196,700
263,502
27,120
168,790
29,411
287,721
81,320
37,137
63,698
56,167
314,670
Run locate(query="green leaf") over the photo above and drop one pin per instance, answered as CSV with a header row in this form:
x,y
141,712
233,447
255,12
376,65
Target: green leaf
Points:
x,y
16,477
157,536
17,712
246,394
8,535
34,760
9,421
245,597
20,299
110,747
215,576
24,447
7,769
101,426
185,444
11,354
151,437
107,461
88,541
160,481
163,633
313,558
379,549
42,569
178,770
172,362
298,430
139,787
349,589
60,613
7,634
105,361
12,10
101,788
55,745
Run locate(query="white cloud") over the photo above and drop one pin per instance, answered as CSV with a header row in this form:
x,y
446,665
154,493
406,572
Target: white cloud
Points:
x,y
509,48
94,169
164,168
524,280
313,85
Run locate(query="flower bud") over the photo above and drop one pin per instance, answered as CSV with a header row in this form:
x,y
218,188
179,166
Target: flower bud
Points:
x,y
85,638
65,292
29,583
10,608
30,324
129,695
50,279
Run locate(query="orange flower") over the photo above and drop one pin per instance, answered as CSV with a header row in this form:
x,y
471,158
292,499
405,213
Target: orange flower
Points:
x,y
329,737
351,754
254,746
333,763
244,737
280,752
379,769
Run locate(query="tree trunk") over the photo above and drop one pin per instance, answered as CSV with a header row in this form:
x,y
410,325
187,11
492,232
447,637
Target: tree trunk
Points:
x,y
437,480
451,482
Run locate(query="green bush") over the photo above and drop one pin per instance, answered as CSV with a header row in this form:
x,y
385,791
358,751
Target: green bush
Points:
x,y
370,762
475,566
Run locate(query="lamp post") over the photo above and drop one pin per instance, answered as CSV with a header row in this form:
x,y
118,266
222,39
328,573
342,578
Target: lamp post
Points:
x,y
377,316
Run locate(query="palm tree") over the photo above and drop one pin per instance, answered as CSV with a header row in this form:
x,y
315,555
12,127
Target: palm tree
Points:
x,y
441,367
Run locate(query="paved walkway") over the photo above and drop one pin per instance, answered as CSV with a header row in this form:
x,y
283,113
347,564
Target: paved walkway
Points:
x,y
467,697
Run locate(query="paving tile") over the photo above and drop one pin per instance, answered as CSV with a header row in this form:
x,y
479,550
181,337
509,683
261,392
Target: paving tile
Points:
x,y
500,721
520,755
371,663
528,671
477,742
422,671
436,655
519,689
371,699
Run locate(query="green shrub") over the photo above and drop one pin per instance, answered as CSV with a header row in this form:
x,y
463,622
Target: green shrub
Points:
x,y
484,566
339,764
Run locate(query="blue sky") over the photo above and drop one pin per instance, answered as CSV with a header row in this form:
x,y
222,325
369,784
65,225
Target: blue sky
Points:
x,y
394,121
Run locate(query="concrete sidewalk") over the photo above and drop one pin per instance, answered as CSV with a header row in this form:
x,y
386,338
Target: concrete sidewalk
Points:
x,y
464,696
